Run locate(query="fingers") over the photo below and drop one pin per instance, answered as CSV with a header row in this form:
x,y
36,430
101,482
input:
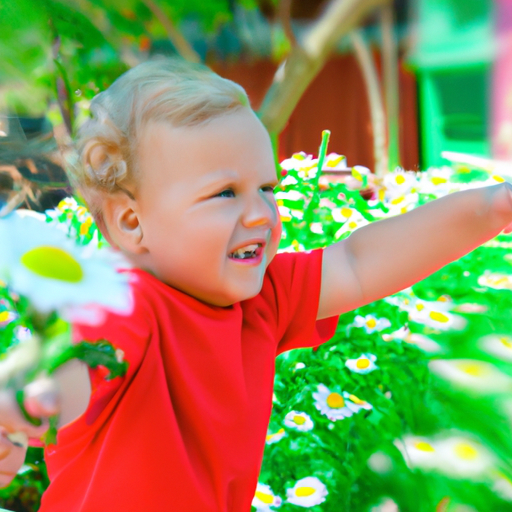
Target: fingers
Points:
x,y
13,448
41,398
12,419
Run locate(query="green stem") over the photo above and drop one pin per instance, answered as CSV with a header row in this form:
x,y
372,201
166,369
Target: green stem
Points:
x,y
326,134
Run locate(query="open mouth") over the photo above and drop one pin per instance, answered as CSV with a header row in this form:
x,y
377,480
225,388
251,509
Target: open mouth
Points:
x,y
247,252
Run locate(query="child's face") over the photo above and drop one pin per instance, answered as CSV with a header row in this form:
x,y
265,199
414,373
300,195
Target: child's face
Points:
x,y
204,196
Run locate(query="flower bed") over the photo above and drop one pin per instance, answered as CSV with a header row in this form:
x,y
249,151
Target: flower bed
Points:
x,y
408,404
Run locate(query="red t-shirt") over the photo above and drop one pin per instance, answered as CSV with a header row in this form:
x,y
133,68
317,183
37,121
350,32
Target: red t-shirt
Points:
x,y
184,430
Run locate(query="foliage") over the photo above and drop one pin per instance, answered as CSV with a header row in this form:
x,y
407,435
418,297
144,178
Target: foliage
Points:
x,y
438,432
57,50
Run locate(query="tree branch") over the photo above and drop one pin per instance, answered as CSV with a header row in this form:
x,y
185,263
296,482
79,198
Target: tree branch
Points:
x,y
391,84
285,7
176,37
305,61
371,79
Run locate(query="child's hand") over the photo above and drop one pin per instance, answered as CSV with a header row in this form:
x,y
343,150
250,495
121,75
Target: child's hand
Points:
x,y
40,401
13,448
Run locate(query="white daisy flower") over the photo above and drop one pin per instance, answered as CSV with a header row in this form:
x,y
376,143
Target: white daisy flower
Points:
x,y
355,404
331,404
364,364
351,225
470,307
495,280
335,161
385,505
371,324
299,161
285,213
477,376
463,458
436,181
345,214
399,335
498,345
418,452
502,486
380,463
307,492
317,227
400,183
264,498
424,343
39,262
290,195
275,437
437,317
288,180
401,204
298,421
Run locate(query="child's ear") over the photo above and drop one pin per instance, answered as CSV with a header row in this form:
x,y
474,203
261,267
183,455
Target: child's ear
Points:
x,y
122,223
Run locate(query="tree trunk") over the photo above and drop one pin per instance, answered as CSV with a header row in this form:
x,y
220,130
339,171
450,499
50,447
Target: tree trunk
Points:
x,y
305,61
373,89
391,85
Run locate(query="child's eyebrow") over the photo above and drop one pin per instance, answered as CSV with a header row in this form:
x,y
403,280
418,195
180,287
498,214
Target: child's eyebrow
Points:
x,y
217,176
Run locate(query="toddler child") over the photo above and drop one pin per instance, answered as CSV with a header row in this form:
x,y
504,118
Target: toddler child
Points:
x,y
179,174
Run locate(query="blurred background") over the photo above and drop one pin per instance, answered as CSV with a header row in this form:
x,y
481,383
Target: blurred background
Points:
x,y
397,82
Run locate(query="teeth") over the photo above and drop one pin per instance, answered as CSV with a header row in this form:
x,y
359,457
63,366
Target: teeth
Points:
x,y
245,252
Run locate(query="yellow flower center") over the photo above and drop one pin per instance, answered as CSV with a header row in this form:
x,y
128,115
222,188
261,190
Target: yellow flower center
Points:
x,y
439,317
506,342
346,212
335,161
371,323
335,401
53,263
497,178
439,181
278,433
399,179
423,446
264,497
473,369
466,451
4,316
420,307
362,363
352,224
397,200
84,228
304,491
280,202
299,420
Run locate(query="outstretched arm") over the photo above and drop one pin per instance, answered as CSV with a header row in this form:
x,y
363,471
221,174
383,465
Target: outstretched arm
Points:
x,y
389,255
66,393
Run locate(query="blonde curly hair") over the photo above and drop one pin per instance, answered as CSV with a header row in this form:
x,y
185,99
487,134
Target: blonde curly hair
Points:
x,y
171,90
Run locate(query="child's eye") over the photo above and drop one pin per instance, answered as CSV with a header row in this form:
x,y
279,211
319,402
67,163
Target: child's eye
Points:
x,y
268,188
226,193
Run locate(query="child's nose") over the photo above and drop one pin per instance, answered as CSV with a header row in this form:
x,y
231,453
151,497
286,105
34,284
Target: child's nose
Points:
x,y
261,212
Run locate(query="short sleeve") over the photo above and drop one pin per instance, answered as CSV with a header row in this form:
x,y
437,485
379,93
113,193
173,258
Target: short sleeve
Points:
x,y
129,335
295,280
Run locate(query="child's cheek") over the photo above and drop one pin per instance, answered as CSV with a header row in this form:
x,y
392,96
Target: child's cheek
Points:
x,y
275,236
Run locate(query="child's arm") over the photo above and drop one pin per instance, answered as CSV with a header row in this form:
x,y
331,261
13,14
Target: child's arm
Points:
x,y
67,393
387,256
